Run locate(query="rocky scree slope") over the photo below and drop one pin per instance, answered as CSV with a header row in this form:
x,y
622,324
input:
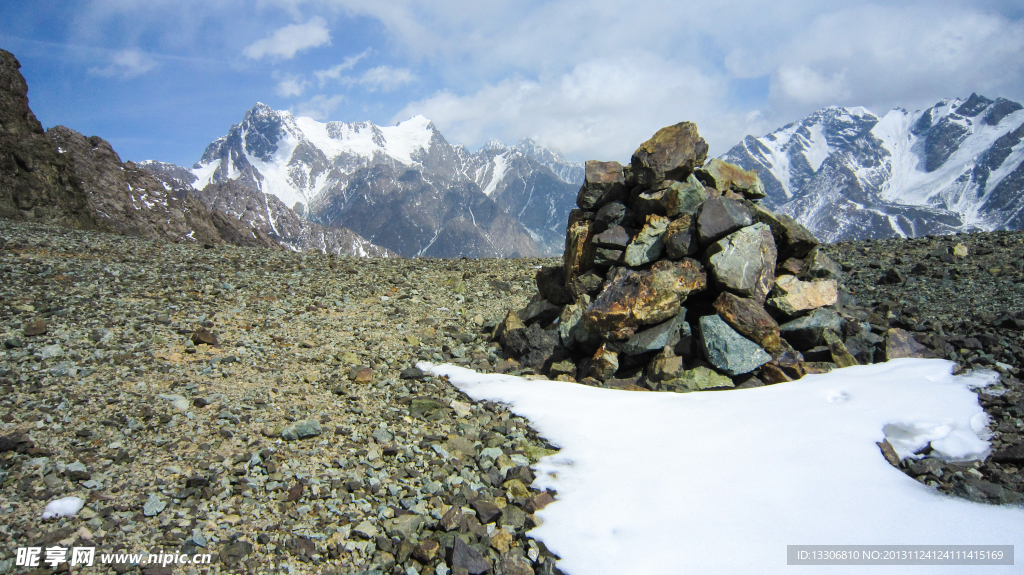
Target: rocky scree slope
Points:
x,y
846,173
259,405
675,278
402,187
61,176
266,213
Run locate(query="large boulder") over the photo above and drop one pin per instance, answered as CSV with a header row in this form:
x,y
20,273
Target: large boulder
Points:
x,y
809,331
744,262
724,177
635,298
671,154
647,246
727,350
749,319
604,182
720,217
792,296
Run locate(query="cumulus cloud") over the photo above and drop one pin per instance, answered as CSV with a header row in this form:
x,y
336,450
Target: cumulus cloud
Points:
x,y
319,107
601,109
285,42
126,64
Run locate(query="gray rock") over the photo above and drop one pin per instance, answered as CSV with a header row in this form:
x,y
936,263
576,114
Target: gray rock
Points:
x,y
681,238
76,471
820,266
655,338
50,352
615,237
611,214
154,505
744,262
608,257
683,198
365,529
727,350
647,245
465,557
720,217
809,331
301,430
604,182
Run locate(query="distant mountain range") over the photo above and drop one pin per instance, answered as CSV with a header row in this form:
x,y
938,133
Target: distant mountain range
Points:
x,y
845,173
402,187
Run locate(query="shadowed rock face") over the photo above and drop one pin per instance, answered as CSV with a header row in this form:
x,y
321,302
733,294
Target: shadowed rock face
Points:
x,y
37,183
671,154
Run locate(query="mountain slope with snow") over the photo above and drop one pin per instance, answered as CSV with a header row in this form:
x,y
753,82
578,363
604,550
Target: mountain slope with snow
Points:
x,y
402,187
849,174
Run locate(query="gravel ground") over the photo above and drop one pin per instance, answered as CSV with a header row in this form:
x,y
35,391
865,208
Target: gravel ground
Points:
x,y
302,442
184,447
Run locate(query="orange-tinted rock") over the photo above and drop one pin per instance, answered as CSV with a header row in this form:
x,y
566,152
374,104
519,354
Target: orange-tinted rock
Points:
x,y
672,153
579,246
792,296
726,177
634,298
900,343
749,319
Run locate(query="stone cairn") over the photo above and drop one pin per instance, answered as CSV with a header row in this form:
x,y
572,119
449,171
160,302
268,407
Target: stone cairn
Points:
x,y
674,278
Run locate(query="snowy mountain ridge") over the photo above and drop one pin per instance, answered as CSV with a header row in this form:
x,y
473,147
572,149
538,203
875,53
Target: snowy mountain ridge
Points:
x,y
339,173
849,174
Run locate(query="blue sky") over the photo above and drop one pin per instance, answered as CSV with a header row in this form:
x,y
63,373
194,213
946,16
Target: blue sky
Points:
x,y
160,79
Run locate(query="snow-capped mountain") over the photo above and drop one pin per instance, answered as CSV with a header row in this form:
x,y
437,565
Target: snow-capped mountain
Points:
x,y
848,174
403,187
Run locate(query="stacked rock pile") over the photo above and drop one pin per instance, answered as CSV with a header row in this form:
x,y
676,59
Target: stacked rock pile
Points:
x,y
675,278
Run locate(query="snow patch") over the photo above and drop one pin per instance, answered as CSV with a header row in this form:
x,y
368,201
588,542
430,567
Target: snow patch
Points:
x,y
722,482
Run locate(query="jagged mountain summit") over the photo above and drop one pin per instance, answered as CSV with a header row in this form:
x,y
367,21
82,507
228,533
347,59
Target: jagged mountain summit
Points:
x,y
846,173
402,187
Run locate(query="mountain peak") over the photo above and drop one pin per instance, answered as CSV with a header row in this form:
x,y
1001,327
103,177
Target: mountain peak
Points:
x,y
494,145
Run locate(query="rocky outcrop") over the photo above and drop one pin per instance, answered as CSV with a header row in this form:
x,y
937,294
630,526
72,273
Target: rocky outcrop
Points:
x,y
60,176
37,183
674,278
128,199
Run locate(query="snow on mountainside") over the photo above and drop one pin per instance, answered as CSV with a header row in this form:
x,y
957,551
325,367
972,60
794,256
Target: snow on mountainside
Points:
x,y
403,187
848,174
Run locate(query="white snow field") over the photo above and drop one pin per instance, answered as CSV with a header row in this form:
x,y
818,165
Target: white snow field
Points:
x,y
721,482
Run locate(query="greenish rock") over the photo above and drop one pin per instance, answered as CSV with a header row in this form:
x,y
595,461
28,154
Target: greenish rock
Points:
x,y
791,238
425,407
570,325
744,262
301,430
727,350
681,198
724,176
809,331
154,505
699,378
647,246
820,266
609,257
667,333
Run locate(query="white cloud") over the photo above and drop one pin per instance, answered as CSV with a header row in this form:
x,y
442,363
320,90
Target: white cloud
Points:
x,y
126,64
385,78
289,85
285,42
806,86
601,109
319,107
334,72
